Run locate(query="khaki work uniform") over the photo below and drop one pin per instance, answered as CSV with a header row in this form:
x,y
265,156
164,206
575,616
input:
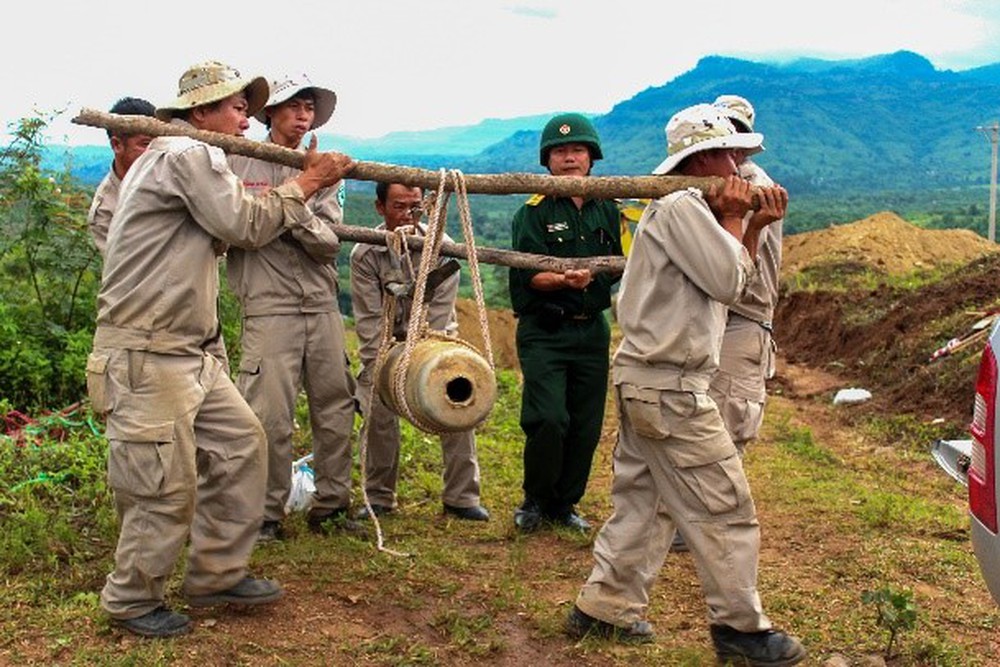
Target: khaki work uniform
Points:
x,y
747,356
293,337
675,467
186,451
102,207
370,267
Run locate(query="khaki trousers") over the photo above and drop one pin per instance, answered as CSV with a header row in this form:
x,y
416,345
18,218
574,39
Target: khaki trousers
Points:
x,y
461,466
185,460
676,468
746,360
281,355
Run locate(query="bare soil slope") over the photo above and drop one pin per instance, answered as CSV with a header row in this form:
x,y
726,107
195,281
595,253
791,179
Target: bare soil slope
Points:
x,y
883,338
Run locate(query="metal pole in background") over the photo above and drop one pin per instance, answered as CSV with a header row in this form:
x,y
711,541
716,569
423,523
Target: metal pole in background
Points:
x,y
993,133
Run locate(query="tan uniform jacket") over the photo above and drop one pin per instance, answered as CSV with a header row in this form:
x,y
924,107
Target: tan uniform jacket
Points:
x,y
370,264
674,292
296,273
102,207
761,295
160,281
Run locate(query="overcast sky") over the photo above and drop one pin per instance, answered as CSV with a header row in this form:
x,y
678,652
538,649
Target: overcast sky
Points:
x,y
415,65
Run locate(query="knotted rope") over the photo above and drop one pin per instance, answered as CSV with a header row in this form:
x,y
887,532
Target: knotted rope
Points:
x,y
417,325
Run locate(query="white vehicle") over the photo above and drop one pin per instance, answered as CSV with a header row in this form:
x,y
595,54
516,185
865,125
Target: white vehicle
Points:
x,y
975,462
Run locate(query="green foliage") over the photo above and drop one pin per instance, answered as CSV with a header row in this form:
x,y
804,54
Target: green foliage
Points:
x,y
50,275
895,611
54,502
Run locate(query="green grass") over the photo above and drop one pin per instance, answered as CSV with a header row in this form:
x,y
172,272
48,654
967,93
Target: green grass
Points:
x,y
840,516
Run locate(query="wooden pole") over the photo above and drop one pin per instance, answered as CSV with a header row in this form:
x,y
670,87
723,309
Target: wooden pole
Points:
x,y
595,187
511,258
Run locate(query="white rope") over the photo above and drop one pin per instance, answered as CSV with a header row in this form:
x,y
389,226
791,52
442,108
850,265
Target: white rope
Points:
x,y
417,326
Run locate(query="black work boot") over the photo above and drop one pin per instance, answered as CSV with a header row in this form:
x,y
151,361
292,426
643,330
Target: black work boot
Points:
x,y
270,531
161,622
568,518
474,513
580,625
528,516
324,523
767,648
249,591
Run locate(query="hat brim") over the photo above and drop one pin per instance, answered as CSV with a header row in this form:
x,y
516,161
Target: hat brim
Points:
x,y
325,101
256,90
743,140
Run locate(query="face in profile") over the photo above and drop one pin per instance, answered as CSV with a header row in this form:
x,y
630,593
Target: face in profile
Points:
x,y
127,149
228,116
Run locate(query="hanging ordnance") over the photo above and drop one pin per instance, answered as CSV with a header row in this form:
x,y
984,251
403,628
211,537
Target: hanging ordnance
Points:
x,y
448,387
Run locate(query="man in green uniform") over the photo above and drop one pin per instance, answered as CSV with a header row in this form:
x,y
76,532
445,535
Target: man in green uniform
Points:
x,y
562,334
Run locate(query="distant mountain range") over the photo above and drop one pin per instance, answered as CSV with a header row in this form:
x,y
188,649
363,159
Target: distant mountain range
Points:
x,y
885,123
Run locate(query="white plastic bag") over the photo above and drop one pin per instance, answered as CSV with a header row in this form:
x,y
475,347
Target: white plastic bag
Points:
x,y
851,396
303,485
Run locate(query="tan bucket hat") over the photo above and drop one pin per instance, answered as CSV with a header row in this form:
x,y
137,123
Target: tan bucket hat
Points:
x,y
736,108
212,81
740,111
288,86
702,127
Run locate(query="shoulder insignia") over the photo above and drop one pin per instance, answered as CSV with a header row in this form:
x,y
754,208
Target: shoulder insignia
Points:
x,y
535,200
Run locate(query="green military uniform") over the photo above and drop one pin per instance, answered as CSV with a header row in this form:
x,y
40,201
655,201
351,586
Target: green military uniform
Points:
x,y
562,342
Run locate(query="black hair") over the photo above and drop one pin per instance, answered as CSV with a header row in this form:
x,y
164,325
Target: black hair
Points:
x,y
132,106
382,191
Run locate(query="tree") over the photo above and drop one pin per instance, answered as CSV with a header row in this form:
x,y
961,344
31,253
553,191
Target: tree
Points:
x,y
51,273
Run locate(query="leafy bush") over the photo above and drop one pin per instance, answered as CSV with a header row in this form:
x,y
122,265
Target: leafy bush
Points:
x,y
55,506
50,272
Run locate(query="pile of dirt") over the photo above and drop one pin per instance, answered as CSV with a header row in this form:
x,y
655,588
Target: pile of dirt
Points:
x,y
883,339
502,327
885,243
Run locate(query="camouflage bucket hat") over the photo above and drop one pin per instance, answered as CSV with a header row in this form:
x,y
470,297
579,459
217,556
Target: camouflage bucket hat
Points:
x,y
737,109
288,86
740,112
212,81
702,127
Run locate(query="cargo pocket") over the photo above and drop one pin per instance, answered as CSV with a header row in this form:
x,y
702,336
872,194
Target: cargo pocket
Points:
x,y
140,457
249,372
642,406
97,382
719,487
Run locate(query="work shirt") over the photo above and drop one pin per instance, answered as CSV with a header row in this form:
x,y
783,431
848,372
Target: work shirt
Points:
x,y
761,295
682,272
371,268
102,207
294,273
160,281
555,226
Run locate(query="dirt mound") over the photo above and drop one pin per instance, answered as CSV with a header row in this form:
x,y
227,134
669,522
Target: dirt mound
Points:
x,y
883,242
883,338
502,326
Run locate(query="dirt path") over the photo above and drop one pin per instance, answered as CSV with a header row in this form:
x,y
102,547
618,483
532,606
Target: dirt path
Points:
x,y
506,601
